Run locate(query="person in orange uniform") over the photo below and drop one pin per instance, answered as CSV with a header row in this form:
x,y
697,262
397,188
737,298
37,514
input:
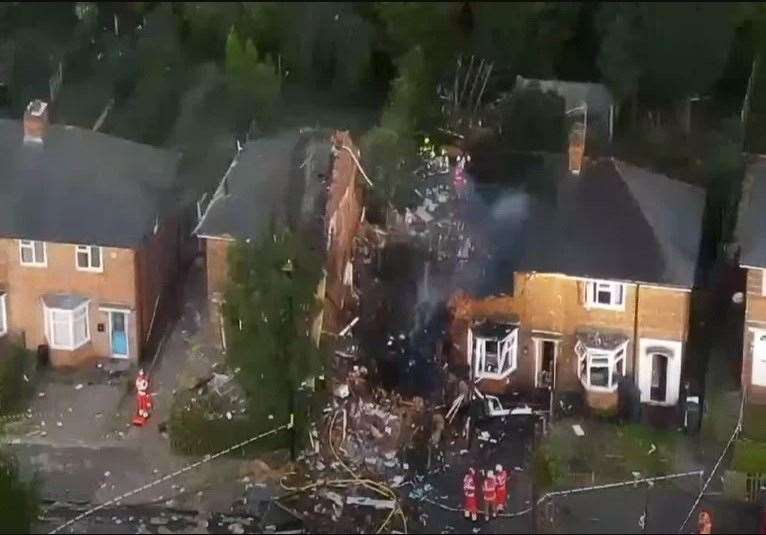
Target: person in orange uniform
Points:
x,y
489,488
705,522
471,504
501,493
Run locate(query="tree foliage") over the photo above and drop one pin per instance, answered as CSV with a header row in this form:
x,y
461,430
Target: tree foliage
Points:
x,y
664,51
533,120
390,157
252,81
269,312
18,499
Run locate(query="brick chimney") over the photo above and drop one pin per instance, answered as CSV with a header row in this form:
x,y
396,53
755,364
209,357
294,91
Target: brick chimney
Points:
x,y
576,148
35,121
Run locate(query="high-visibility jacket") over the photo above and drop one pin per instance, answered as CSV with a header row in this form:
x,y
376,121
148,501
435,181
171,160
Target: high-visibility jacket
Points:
x,y
489,487
469,486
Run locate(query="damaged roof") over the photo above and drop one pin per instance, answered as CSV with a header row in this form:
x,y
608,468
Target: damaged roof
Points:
x,y
596,96
615,221
751,214
271,180
80,186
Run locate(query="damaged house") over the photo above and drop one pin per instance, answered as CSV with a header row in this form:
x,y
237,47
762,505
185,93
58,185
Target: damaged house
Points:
x,y
299,179
591,294
90,239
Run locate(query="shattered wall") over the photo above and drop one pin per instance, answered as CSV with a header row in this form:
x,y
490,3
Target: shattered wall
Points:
x,y
552,306
343,216
755,316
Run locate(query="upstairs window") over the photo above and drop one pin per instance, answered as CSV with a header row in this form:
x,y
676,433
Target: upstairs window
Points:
x,y
88,258
604,294
32,253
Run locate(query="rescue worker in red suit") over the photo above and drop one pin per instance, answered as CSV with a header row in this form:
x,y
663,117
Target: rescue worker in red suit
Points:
x,y
705,522
143,399
501,493
471,503
489,490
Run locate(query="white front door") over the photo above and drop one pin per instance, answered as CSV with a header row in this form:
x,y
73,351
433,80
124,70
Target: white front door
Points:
x,y
659,371
759,357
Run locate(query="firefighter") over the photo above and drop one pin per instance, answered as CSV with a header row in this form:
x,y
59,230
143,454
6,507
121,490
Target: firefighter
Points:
x,y
705,522
143,399
489,490
471,504
501,476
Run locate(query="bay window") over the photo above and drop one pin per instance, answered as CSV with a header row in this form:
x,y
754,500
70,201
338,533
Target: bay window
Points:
x,y
67,328
601,369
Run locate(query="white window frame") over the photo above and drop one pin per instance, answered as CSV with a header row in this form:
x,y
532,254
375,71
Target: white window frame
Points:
x,y
507,358
70,314
4,312
30,245
763,282
88,250
673,379
612,357
616,294
758,368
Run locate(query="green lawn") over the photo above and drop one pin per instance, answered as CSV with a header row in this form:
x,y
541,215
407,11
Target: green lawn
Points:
x,y
607,452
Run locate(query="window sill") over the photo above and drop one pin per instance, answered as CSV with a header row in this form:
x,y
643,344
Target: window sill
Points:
x,y
599,389
90,270
615,308
495,376
68,348
658,403
22,264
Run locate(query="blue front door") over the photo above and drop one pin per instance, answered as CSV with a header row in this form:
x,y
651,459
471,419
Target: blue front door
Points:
x,y
119,334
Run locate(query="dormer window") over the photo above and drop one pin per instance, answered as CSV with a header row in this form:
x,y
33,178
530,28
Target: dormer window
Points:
x,y
605,294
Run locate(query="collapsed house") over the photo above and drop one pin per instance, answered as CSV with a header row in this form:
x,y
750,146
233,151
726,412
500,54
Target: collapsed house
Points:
x,y
588,291
305,180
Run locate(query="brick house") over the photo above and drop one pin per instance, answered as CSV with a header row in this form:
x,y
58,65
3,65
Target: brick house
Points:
x,y
753,260
304,180
89,238
593,289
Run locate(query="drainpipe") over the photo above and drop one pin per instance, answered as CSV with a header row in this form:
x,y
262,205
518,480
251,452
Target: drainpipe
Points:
x,y
635,336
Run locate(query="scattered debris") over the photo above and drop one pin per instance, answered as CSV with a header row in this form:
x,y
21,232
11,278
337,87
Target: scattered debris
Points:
x,y
578,430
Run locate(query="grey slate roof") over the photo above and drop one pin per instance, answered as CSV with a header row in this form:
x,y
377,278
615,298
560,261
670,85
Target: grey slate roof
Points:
x,y
81,186
270,180
751,232
615,222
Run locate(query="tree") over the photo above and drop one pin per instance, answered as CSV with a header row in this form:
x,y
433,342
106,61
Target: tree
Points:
x,y
412,102
271,304
208,25
523,37
18,499
533,120
390,157
664,52
432,26
253,82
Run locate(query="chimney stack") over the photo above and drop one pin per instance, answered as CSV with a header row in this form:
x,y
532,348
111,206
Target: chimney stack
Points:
x,y
35,121
576,148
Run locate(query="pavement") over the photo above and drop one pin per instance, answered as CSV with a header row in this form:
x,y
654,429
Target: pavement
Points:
x,y
78,442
